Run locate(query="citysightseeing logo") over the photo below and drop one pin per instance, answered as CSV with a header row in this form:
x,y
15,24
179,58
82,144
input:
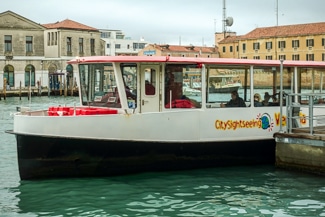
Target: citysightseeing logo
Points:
x,y
266,121
262,121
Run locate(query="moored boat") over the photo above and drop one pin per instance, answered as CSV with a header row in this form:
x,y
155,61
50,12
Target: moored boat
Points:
x,y
224,83
134,117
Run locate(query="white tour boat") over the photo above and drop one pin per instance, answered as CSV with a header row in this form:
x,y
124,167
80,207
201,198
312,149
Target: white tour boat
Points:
x,y
134,117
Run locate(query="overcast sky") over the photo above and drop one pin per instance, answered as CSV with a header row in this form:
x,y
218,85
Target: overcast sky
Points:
x,y
173,22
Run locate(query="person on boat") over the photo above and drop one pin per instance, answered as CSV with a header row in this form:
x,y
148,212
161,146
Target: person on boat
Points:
x,y
235,101
150,89
129,93
257,100
266,101
275,101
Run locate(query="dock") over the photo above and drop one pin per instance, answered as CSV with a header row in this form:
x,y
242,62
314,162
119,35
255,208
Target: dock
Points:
x,y
301,146
37,92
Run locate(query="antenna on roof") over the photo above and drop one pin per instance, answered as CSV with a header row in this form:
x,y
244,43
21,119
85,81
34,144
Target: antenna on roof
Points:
x,y
226,21
277,12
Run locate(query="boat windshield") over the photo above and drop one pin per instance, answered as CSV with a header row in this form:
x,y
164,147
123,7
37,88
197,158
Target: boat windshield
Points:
x,y
98,85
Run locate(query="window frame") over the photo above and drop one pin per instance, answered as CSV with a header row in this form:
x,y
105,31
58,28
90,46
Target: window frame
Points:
x,y
8,43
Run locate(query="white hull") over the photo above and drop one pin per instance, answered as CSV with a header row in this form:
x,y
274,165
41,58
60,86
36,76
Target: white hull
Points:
x,y
172,126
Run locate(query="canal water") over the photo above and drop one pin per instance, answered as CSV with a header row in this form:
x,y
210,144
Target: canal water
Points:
x,y
255,191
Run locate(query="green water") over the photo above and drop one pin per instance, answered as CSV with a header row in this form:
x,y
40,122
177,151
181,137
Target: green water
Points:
x,y
229,191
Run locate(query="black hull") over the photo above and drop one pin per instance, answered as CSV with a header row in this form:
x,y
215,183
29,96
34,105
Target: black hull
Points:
x,y
48,157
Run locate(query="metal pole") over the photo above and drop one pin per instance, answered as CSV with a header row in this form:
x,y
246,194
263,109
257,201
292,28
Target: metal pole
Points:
x,y
290,117
281,93
311,114
30,87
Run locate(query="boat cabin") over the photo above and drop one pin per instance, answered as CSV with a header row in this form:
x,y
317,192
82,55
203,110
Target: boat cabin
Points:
x,y
152,84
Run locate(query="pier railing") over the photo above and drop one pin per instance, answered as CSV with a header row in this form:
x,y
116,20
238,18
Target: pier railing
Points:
x,y
314,112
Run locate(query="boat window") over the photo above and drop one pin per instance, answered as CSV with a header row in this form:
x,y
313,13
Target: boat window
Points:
x,y
310,81
98,85
266,82
223,81
129,72
183,86
150,81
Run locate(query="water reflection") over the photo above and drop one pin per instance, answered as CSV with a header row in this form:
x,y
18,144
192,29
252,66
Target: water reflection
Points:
x,y
238,191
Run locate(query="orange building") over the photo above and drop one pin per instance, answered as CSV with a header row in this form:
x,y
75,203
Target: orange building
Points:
x,y
290,42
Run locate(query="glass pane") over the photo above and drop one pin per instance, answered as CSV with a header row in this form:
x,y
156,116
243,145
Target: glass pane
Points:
x,y
183,86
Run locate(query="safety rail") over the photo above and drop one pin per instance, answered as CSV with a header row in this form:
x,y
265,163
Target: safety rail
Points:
x,y
314,102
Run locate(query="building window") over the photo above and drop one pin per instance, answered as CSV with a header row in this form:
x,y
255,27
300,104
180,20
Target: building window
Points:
x,y
52,38
224,49
56,38
142,45
310,57
244,47
268,57
105,34
117,46
8,43
119,36
135,46
29,43
310,42
108,45
92,45
237,48
295,56
282,57
81,45
256,46
268,45
48,39
282,44
29,75
69,50
230,48
256,57
8,73
323,56
295,43
323,42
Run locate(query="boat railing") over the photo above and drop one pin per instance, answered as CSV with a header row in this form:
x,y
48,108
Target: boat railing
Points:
x,y
315,115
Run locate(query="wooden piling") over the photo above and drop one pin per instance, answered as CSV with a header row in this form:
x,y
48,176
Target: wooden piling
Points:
x,y
4,88
20,90
60,85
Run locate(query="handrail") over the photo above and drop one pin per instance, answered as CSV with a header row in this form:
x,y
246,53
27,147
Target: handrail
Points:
x,y
292,106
